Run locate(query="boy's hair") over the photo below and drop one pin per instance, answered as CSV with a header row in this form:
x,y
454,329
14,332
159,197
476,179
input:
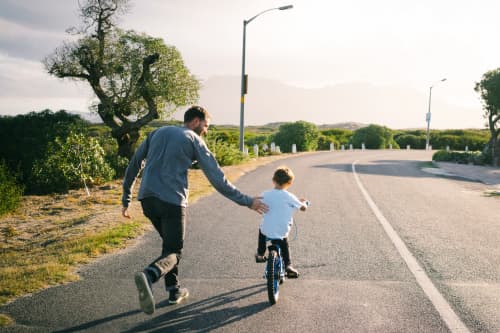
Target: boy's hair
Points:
x,y
283,175
195,112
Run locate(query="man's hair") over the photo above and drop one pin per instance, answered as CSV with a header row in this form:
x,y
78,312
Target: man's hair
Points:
x,y
196,112
283,175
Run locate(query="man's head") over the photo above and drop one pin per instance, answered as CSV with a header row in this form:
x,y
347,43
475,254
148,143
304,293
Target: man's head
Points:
x,y
283,176
197,119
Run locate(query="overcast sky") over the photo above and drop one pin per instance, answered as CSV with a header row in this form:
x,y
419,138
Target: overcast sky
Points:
x,y
401,43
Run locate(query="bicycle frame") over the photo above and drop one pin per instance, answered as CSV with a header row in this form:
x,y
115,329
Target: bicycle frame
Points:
x,y
274,272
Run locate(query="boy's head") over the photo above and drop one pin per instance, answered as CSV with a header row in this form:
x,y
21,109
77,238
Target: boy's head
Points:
x,y
283,176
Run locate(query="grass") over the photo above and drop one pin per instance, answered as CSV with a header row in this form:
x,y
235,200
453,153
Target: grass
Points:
x,y
494,194
48,237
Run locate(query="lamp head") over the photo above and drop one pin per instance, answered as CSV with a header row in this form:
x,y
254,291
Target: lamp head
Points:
x,y
285,7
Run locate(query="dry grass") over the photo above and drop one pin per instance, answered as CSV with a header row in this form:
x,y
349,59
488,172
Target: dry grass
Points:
x,y
43,242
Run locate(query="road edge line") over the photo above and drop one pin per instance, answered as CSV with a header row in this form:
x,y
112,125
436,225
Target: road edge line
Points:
x,y
444,309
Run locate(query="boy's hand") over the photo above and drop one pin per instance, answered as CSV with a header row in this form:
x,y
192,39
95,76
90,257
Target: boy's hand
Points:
x,y
259,206
306,204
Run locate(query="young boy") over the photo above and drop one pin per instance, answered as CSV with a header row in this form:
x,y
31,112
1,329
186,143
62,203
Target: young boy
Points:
x,y
278,220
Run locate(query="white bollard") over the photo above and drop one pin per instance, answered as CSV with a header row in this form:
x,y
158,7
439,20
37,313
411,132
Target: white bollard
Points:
x,y
294,148
332,147
407,147
390,146
363,146
350,146
342,148
447,148
466,148
273,147
278,149
256,150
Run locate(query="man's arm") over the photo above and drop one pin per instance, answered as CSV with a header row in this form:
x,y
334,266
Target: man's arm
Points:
x,y
134,167
216,176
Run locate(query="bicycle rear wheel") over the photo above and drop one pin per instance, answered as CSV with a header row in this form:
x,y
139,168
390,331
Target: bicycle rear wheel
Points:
x,y
273,278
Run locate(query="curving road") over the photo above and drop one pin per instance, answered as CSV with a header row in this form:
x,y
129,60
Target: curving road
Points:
x,y
356,276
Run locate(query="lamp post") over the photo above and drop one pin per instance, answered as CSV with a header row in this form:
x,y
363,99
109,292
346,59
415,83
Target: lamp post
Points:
x,y
428,115
244,77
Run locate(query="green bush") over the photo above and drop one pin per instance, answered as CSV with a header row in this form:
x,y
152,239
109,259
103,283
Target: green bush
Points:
x,y
374,137
305,135
460,157
73,163
225,153
10,192
25,138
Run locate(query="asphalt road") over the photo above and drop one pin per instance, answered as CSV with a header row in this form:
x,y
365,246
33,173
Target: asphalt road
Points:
x,y
353,277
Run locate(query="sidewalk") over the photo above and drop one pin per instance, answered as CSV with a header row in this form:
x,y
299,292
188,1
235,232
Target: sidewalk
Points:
x,y
483,174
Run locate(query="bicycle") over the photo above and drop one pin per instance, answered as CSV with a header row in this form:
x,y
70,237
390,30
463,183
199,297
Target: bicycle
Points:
x,y
275,268
275,271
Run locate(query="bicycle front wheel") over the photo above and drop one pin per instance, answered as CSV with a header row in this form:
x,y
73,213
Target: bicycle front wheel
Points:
x,y
273,278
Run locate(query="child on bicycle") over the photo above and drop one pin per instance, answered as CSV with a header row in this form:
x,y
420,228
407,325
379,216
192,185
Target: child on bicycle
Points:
x,y
277,222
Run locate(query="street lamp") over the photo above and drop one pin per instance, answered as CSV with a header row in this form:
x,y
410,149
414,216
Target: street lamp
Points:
x,y
244,77
428,115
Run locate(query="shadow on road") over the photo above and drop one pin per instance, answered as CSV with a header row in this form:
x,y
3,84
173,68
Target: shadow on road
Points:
x,y
206,315
391,168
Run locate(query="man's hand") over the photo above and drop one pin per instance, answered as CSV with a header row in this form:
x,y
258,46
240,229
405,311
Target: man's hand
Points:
x,y
125,212
259,206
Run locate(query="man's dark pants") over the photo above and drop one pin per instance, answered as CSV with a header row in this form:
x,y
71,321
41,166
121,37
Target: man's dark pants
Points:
x,y
170,222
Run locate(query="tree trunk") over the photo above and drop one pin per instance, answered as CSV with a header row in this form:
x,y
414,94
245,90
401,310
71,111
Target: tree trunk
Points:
x,y
127,143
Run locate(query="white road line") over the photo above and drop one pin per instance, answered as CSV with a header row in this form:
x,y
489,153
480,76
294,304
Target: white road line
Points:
x,y
446,312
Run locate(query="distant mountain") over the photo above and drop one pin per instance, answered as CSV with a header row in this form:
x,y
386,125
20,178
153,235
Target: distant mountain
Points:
x,y
91,117
270,101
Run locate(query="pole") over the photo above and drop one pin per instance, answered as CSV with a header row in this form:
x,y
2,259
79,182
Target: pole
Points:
x,y
244,80
243,90
428,118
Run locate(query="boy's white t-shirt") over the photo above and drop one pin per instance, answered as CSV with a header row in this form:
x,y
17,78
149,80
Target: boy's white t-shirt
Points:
x,y
277,222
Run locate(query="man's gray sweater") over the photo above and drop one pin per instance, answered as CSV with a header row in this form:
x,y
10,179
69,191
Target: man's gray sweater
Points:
x,y
166,155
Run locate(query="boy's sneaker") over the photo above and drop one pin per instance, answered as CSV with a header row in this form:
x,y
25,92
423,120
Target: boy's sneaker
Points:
x,y
291,272
259,258
146,299
177,295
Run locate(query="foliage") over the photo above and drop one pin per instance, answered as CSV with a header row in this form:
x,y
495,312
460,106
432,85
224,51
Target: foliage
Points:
x,y
25,138
304,134
461,157
337,136
374,137
136,78
10,191
72,163
489,89
225,153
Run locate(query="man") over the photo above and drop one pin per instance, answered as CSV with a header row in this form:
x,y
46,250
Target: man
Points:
x,y
168,153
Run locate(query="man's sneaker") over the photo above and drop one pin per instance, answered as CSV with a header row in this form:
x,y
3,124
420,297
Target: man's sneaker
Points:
x,y
259,258
177,295
146,299
291,272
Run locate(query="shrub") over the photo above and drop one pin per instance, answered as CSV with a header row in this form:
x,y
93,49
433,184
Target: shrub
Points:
x,y
78,161
374,137
460,157
225,153
25,138
10,191
305,135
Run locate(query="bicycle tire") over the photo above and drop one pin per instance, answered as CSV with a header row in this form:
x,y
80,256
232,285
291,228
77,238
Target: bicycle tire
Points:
x,y
273,278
